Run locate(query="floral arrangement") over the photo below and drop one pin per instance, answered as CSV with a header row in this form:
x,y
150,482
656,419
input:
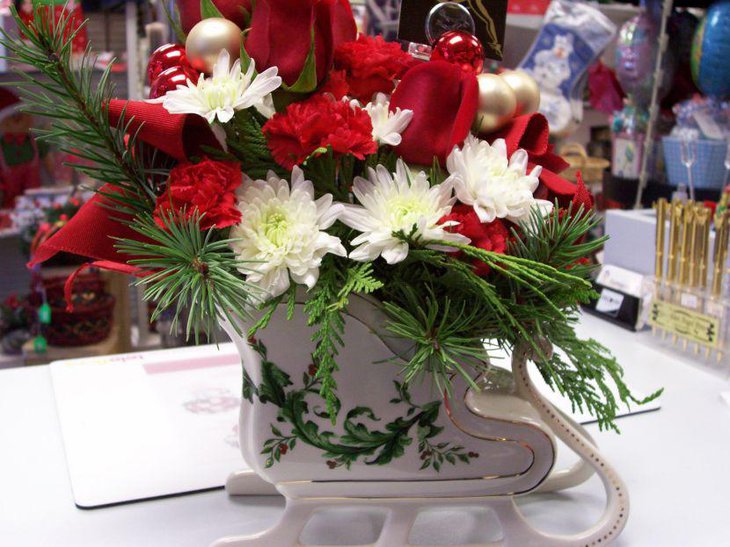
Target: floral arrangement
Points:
x,y
292,155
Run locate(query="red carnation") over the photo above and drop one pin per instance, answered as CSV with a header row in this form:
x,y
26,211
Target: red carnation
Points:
x,y
492,236
208,187
319,122
372,65
336,85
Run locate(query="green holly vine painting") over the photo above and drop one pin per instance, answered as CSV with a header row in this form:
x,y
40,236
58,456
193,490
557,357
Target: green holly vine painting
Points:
x,y
374,446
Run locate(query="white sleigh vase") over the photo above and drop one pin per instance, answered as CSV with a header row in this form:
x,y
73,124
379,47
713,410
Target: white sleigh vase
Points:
x,y
403,449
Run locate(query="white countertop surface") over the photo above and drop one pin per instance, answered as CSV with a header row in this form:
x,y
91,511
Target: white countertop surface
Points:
x,y
676,462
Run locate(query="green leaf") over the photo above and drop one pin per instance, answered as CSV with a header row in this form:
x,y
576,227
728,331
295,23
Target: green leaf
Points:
x,y
208,9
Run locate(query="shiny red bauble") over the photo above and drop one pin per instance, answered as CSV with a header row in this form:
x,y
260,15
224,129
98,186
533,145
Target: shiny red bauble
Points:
x,y
169,79
164,57
460,48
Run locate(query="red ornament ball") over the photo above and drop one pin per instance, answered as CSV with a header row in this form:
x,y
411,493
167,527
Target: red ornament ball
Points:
x,y
164,57
169,79
460,48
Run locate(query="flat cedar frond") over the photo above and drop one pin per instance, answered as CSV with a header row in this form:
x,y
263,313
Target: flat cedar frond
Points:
x,y
325,310
247,144
184,268
77,107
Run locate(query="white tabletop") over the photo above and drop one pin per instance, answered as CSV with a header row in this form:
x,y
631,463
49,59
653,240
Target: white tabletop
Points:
x,y
676,462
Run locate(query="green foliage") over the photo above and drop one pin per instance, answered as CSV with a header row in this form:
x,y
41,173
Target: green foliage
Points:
x,y
208,9
443,334
184,268
247,144
324,309
77,106
583,371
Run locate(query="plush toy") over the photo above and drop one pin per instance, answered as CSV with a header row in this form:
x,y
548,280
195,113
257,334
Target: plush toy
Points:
x,y
20,155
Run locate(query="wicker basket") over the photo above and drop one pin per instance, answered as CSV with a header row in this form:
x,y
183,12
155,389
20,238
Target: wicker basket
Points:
x,y
91,320
591,168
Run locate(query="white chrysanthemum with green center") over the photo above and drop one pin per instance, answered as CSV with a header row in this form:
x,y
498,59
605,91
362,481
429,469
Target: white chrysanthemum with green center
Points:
x,y
282,232
229,89
497,187
397,206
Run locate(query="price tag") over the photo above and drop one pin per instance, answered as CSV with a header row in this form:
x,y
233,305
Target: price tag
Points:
x,y
621,279
609,302
695,326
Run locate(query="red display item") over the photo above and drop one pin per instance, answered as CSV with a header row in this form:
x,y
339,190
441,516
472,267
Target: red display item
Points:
x,y
460,48
91,319
169,79
164,57
55,10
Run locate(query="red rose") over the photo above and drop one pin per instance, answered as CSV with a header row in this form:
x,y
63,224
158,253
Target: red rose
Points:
x,y
492,236
208,187
238,11
444,101
281,35
371,65
319,122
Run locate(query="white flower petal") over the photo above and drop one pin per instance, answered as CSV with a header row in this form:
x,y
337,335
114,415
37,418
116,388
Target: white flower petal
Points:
x,y
392,204
493,184
282,232
226,91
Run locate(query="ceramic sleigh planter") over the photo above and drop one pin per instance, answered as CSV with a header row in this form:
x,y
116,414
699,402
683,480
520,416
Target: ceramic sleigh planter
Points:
x,y
404,449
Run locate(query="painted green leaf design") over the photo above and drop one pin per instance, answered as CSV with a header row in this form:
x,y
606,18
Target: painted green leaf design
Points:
x,y
360,440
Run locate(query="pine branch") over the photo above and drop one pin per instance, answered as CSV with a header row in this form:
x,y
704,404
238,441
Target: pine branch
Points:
x,y
185,269
445,334
78,107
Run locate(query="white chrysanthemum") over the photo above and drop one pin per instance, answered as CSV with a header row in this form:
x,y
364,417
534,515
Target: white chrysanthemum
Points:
x,y
387,125
224,92
495,186
282,232
398,202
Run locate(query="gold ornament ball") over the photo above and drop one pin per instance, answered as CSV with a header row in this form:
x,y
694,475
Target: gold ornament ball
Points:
x,y
526,90
206,40
497,103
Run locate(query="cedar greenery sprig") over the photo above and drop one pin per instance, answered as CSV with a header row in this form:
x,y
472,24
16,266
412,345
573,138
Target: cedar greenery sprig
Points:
x,y
325,308
78,107
188,269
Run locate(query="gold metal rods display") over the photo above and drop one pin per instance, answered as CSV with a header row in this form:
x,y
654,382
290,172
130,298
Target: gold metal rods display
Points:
x,y
689,290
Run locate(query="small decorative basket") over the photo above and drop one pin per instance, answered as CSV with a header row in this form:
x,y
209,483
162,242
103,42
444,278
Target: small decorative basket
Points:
x,y
591,168
708,170
91,319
